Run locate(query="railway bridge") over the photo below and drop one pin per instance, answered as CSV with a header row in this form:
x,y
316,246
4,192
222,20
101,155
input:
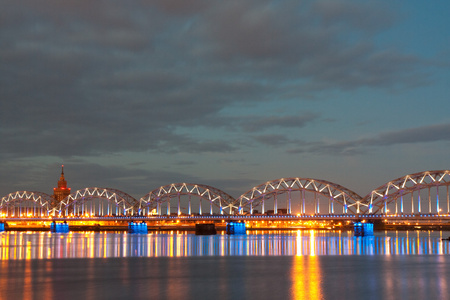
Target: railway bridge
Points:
x,y
422,196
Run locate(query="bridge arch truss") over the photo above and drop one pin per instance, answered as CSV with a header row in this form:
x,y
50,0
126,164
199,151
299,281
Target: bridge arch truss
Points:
x,y
26,203
334,193
159,200
95,201
405,194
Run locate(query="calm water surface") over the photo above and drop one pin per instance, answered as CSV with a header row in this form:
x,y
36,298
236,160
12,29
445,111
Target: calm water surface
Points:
x,y
264,265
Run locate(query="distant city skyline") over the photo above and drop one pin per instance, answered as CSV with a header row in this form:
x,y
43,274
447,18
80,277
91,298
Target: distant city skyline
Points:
x,y
230,94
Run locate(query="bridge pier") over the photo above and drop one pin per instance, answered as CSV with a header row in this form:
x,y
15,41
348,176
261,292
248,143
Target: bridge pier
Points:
x,y
59,227
236,228
135,227
205,229
362,229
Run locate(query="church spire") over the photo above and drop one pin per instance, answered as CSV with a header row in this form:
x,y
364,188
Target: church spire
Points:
x,y
62,183
62,173
62,191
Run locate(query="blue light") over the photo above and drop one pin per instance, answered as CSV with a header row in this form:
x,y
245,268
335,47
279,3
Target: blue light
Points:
x,y
135,227
2,227
363,229
59,227
236,228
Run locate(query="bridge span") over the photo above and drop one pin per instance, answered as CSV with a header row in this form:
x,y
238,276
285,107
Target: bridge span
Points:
x,y
249,217
419,195
253,222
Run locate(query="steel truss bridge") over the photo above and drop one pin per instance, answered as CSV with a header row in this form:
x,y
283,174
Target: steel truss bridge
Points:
x,y
423,195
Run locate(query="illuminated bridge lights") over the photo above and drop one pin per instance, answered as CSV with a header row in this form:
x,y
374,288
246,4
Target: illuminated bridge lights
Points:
x,y
24,203
137,227
98,201
419,195
58,227
392,196
363,229
268,194
441,219
161,198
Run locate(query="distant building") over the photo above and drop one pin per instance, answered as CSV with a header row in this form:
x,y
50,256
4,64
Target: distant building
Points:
x,y
62,191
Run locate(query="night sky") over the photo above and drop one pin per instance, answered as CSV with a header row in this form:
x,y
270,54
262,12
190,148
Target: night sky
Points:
x,y
133,95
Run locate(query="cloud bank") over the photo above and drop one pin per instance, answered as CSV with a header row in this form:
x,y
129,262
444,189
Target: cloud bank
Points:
x,y
82,78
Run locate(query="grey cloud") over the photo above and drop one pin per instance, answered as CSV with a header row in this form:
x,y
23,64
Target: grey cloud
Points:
x,y
189,145
308,42
425,134
152,81
83,78
252,124
185,163
101,138
181,7
272,139
360,66
360,16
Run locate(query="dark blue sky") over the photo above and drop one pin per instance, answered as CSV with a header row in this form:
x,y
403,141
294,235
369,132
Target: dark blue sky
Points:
x,y
134,95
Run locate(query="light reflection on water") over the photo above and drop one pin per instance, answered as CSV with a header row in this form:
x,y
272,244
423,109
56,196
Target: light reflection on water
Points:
x,y
45,245
264,265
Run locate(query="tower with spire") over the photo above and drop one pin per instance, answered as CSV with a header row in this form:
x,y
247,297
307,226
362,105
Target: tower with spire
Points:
x,y
62,191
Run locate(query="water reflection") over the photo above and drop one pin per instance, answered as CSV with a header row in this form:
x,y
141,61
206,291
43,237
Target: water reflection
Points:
x,y
44,245
306,278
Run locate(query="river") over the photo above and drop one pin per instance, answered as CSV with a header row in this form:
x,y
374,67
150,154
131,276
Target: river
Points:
x,y
260,265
